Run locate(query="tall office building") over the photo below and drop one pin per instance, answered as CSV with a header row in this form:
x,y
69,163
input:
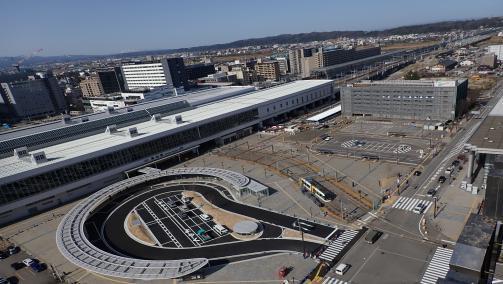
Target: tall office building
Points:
x,y
110,81
31,99
268,70
91,87
439,100
146,75
197,71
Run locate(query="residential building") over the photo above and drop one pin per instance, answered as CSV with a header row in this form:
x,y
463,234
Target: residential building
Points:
x,y
31,99
443,66
268,70
145,75
438,100
91,87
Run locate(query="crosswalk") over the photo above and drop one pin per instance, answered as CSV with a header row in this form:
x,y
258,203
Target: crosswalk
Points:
x,y
408,204
336,246
330,280
438,267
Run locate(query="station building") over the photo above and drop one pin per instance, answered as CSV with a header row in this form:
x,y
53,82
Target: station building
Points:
x,y
45,167
438,100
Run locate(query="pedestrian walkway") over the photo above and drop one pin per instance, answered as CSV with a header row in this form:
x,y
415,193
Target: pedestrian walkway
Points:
x,y
335,247
330,280
438,267
408,204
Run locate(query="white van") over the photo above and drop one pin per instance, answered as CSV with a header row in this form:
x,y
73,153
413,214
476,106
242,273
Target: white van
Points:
x,y
341,269
221,230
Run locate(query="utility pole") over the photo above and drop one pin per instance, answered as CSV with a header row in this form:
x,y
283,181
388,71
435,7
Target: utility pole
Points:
x,y
302,236
342,210
434,207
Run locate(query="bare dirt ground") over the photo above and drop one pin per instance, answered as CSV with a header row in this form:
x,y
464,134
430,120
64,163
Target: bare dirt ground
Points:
x,y
404,45
138,231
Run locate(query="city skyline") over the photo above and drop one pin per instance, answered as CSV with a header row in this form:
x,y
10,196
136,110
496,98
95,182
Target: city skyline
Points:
x,y
100,28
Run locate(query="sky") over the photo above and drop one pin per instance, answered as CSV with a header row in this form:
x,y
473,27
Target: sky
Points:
x,y
63,27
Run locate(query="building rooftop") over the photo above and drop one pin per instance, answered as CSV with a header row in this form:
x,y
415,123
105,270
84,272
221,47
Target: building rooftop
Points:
x,y
90,146
470,249
194,98
419,83
488,138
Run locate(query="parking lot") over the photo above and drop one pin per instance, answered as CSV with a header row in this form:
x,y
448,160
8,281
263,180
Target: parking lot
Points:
x,y
175,223
411,151
23,274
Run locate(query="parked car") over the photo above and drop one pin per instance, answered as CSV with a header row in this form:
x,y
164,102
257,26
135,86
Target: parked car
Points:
x,y
36,266
28,261
13,249
4,254
17,265
442,179
417,173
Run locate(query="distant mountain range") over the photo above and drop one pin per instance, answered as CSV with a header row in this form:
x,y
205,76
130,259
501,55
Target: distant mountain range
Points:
x,y
444,26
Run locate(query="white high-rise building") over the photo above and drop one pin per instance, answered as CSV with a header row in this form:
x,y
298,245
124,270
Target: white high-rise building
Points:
x,y
496,49
141,76
148,75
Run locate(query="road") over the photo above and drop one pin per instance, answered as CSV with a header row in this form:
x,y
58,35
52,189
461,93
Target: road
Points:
x,y
112,215
406,221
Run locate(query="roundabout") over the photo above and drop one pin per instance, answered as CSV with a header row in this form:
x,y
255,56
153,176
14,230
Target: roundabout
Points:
x,y
95,235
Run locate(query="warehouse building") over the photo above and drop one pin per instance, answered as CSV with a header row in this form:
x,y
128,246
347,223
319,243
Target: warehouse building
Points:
x,y
84,160
438,100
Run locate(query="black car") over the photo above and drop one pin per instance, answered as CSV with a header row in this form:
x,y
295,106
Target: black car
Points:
x,y
17,265
417,173
4,254
13,249
431,192
441,179
455,163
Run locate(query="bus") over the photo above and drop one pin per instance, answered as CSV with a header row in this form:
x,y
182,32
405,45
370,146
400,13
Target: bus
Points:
x,y
321,192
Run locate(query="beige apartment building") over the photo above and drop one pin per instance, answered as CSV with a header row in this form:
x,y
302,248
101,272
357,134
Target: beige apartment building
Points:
x,y
268,70
91,87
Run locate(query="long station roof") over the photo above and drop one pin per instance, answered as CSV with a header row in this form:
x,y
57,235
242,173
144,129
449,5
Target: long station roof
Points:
x,y
88,145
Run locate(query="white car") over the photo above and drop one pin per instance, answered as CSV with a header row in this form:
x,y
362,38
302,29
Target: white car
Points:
x,y
341,269
27,261
205,217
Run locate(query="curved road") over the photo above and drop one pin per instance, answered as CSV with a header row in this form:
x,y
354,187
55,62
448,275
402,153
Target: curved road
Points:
x,y
112,223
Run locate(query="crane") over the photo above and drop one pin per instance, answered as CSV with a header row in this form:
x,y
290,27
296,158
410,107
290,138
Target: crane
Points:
x,y
26,58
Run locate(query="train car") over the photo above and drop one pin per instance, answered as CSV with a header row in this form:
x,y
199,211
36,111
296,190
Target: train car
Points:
x,y
313,186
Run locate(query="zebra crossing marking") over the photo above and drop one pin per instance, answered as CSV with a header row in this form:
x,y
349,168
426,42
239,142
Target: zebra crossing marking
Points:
x,y
331,280
408,203
438,267
336,246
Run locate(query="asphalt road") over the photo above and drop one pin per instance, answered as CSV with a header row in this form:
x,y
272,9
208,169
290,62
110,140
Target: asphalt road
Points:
x,y
407,222
111,218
